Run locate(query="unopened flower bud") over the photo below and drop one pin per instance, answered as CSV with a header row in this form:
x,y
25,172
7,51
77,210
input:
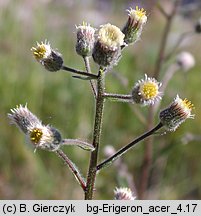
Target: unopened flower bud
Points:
x,y
178,111
133,28
146,91
185,60
198,26
49,58
39,135
107,49
85,39
123,194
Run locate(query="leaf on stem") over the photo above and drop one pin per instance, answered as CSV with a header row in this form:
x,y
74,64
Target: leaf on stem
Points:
x,y
75,142
83,78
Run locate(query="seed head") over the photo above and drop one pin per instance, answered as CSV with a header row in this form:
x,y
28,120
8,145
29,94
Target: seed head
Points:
x,y
41,136
107,49
146,91
123,194
109,150
178,111
85,39
48,57
133,28
185,60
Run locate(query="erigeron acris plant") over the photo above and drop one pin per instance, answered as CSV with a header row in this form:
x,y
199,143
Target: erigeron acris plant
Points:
x,y
105,48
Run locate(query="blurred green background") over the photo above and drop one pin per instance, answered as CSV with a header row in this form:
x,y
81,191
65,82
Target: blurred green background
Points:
x,y
68,103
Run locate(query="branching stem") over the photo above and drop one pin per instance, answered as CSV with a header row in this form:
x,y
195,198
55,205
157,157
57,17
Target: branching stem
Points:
x,y
163,44
119,97
96,135
127,147
65,68
72,167
88,69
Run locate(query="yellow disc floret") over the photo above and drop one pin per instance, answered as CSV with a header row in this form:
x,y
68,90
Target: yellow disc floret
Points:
x,y
42,51
149,90
184,105
138,14
187,104
36,135
146,91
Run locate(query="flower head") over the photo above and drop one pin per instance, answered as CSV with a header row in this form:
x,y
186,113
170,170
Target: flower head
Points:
x,y
107,49
42,51
138,15
123,194
146,91
85,39
41,136
178,111
133,28
111,36
198,26
48,57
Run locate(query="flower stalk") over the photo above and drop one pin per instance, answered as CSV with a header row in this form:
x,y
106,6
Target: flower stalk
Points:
x,y
88,69
123,150
72,167
119,97
163,43
92,76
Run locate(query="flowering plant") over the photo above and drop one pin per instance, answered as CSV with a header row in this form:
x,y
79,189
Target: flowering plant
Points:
x,y
105,48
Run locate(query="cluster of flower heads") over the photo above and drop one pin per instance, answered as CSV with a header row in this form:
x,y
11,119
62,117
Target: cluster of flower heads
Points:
x,y
146,92
41,136
105,47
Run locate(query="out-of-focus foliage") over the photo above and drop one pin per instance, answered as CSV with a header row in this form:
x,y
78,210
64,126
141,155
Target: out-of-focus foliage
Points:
x,y
68,103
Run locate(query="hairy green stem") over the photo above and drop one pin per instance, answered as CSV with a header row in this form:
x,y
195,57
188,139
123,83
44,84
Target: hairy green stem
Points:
x,y
96,135
127,147
93,76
